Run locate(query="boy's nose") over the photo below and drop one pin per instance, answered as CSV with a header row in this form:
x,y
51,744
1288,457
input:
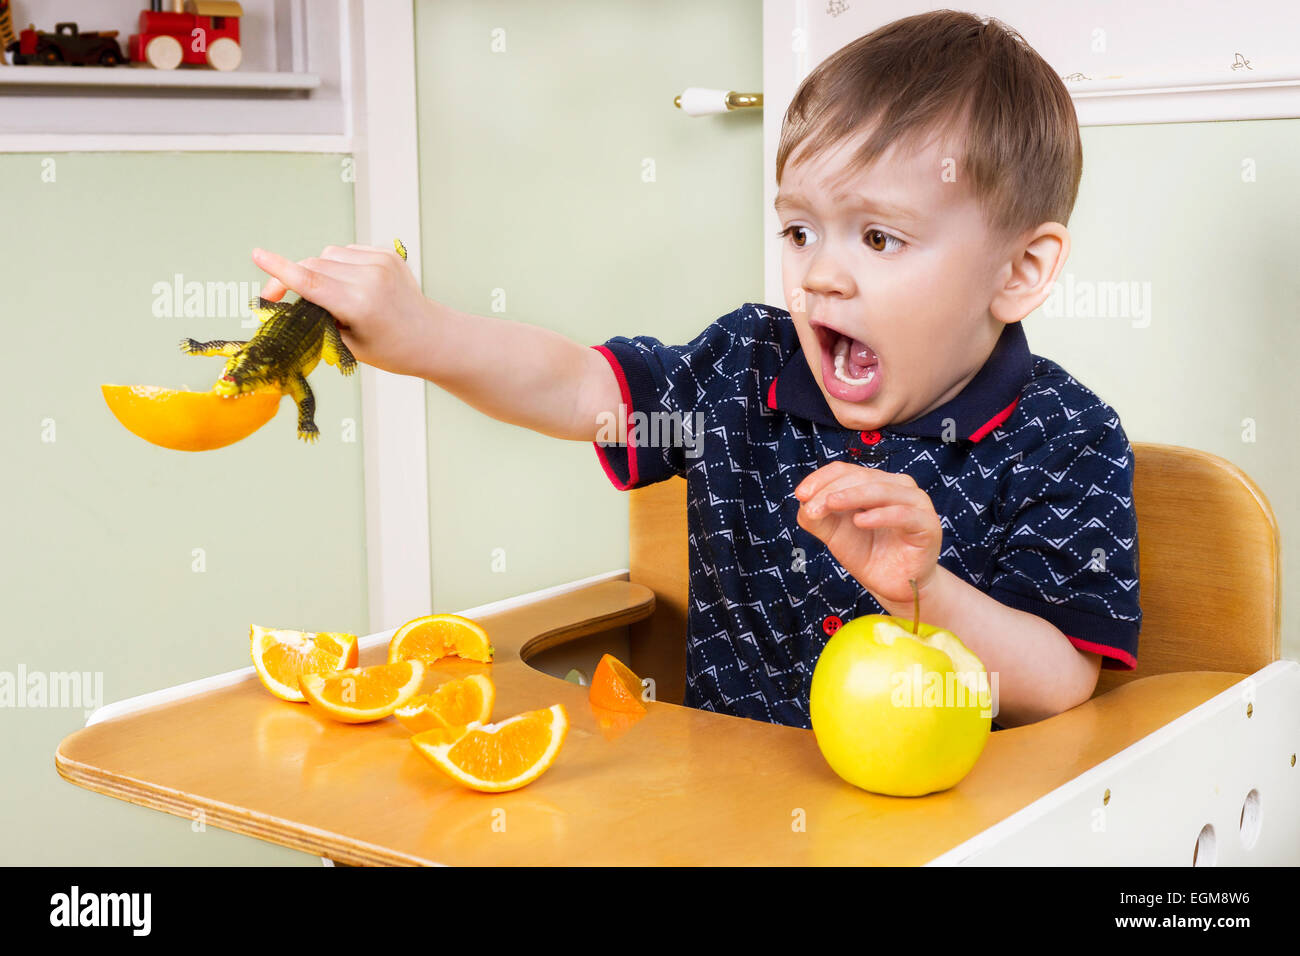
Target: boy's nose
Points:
x,y
826,275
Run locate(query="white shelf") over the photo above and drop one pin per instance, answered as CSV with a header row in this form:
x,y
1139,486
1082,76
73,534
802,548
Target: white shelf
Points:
x,y
291,92
119,77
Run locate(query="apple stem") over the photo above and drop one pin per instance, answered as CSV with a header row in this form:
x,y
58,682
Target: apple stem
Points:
x,y
916,606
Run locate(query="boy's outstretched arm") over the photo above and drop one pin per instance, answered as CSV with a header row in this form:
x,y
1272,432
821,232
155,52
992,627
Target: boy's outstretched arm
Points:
x,y
518,373
514,372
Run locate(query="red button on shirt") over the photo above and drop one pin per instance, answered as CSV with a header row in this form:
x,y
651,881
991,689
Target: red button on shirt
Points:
x,y
832,624
869,437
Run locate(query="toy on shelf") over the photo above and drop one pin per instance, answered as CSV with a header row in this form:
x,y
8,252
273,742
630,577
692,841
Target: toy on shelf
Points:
x,y
66,46
203,33
7,36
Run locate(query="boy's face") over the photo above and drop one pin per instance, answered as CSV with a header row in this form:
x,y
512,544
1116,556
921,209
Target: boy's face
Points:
x,y
908,272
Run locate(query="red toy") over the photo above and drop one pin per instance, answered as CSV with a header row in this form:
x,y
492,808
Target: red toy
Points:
x,y
206,34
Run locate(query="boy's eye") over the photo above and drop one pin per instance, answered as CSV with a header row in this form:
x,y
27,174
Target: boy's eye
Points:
x,y
791,231
874,236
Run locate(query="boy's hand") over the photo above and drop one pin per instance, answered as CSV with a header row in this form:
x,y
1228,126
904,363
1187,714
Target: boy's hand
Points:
x,y
879,525
383,316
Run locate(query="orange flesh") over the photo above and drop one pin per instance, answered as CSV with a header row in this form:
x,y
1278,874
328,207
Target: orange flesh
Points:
x,y
454,703
614,686
507,753
443,638
286,661
365,688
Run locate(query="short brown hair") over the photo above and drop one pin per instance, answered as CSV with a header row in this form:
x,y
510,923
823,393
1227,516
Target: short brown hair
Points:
x,y
1022,153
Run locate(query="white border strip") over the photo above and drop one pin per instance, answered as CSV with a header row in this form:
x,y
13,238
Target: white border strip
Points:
x,y
380,58
1181,83
1095,777
205,684
167,142
1129,107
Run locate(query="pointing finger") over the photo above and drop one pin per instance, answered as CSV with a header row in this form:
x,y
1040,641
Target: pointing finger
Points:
x,y
316,284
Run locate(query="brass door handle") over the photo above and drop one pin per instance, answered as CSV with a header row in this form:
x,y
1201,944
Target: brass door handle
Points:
x,y
697,101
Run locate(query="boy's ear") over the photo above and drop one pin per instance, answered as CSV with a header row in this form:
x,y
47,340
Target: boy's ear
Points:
x,y
1035,263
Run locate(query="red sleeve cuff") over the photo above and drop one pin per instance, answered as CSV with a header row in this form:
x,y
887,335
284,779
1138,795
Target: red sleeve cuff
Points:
x,y
1116,640
619,461
631,466
1112,658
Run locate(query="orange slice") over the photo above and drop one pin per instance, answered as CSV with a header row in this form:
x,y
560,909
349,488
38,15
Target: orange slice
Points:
x,y
361,694
190,421
453,704
281,656
615,687
440,635
501,756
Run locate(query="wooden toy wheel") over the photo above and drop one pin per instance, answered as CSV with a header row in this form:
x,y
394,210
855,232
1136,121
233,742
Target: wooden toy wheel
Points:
x,y
224,54
163,53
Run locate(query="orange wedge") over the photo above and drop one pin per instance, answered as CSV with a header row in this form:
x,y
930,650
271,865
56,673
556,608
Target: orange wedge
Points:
x,y
361,694
615,687
440,635
501,756
281,656
190,421
453,704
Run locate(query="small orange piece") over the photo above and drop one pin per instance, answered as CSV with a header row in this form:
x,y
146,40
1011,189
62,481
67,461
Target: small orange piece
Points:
x,y
281,656
440,635
615,687
501,756
190,421
453,704
361,694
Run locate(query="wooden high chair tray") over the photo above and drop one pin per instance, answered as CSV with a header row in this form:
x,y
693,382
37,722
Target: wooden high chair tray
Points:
x,y
678,786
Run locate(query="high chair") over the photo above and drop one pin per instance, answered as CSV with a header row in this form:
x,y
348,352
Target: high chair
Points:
x,y
1189,760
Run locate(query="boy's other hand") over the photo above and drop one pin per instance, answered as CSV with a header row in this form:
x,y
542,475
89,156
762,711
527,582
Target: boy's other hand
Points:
x,y
383,316
879,525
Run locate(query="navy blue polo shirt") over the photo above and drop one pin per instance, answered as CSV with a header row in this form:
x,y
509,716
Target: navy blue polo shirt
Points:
x,y
1030,472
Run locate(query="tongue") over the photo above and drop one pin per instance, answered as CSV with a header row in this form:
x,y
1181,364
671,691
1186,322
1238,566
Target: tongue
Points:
x,y
861,357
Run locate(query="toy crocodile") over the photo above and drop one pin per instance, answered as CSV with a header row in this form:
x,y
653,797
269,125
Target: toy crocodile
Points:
x,y
291,340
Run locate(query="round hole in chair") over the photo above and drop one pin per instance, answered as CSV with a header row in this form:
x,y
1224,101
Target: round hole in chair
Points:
x,y
1251,819
1203,854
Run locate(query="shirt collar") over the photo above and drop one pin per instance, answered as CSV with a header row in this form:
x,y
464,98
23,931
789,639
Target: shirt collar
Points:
x,y
986,401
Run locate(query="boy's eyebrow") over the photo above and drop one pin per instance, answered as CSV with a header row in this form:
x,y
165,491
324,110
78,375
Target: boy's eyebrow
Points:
x,y
852,200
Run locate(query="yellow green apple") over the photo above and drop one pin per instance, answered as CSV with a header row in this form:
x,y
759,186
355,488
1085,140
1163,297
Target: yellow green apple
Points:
x,y
899,707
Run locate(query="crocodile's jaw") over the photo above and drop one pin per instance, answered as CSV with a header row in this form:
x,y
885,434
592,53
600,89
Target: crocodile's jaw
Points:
x,y
233,383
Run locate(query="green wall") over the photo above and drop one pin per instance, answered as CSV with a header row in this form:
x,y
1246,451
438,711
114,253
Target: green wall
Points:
x,y
1166,205
100,528
531,166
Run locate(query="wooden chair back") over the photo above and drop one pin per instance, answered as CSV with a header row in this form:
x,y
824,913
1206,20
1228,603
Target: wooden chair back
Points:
x,y
1209,571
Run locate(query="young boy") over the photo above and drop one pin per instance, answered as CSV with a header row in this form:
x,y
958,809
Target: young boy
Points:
x,y
892,425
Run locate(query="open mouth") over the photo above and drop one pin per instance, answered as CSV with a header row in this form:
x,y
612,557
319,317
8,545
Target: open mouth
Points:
x,y
850,367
